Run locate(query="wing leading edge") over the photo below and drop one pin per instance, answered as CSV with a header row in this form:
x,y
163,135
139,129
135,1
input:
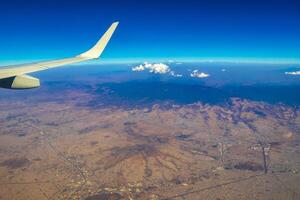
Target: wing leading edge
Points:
x,y
13,73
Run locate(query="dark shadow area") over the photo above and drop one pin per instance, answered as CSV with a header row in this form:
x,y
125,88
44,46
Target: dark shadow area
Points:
x,y
136,94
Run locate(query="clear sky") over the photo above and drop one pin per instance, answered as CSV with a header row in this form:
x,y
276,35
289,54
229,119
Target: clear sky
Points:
x,y
184,29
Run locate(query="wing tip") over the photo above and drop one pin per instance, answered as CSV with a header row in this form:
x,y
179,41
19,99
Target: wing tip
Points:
x,y
116,23
96,51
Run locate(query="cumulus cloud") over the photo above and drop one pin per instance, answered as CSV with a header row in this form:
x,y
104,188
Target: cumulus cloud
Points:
x,y
197,74
293,73
138,68
156,68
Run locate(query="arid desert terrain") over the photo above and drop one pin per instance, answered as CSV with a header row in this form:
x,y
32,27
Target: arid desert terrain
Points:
x,y
63,150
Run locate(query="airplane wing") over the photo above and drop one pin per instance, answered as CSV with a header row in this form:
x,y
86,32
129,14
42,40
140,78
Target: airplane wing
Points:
x,y
14,77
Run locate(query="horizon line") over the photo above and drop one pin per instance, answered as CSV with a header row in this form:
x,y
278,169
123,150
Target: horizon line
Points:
x,y
233,60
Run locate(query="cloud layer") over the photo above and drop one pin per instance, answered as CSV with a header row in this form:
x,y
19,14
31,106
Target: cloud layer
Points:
x,y
197,74
156,68
138,68
161,68
293,73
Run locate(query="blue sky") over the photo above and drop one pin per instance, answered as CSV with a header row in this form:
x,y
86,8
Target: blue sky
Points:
x,y
183,30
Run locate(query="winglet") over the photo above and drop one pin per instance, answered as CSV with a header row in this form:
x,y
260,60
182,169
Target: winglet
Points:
x,y
99,47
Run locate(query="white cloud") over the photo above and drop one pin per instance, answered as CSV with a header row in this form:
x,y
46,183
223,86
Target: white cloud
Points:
x,y
293,73
138,68
157,68
172,73
223,70
197,74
